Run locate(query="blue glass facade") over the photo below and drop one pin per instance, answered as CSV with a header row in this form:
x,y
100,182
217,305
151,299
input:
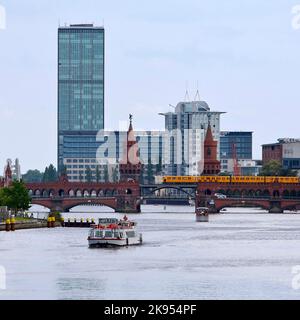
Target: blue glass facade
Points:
x,y
293,164
242,142
80,90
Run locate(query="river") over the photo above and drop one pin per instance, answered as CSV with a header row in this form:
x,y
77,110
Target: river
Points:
x,y
240,254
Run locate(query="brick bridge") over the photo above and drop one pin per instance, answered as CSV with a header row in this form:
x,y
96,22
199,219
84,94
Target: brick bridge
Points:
x,y
123,197
272,197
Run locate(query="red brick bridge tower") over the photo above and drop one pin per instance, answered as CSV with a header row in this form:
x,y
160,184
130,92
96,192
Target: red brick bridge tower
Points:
x,y
130,167
212,166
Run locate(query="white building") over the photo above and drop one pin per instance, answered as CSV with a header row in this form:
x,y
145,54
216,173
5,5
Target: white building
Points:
x,y
185,134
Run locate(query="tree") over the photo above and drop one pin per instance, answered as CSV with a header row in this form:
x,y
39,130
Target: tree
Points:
x,y
15,197
88,175
274,168
46,175
106,173
98,174
32,176
50,174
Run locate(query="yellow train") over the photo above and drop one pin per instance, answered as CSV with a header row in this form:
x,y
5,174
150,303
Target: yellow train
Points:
x,y
229,179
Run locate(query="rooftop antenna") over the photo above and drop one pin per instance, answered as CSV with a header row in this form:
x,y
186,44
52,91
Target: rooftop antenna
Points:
x,y
197,96
187,96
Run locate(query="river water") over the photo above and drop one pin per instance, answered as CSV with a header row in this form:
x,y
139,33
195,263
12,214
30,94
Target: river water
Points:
x,y
240,254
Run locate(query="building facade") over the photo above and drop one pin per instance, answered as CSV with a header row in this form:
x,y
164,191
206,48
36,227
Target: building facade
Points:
x,y
242,141
236,146
80,93
273,151
286,151
185,131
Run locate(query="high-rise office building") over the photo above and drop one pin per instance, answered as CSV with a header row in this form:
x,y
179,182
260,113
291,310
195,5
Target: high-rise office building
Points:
x,y
186,129
80,92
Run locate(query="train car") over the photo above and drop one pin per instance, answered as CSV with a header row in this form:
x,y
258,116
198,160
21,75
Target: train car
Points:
x,y
288,180
229,179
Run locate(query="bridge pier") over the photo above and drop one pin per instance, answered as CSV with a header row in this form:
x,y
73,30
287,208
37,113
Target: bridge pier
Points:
x,y
275,207
128,204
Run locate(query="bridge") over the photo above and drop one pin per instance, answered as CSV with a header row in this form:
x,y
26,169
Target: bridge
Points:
x,y
123,197
273,197
126,197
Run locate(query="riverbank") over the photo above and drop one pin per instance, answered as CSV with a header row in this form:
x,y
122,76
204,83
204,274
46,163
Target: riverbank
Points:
x,y
30,224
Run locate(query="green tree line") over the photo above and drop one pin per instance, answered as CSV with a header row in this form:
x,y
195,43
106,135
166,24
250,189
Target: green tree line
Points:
x,y
15,197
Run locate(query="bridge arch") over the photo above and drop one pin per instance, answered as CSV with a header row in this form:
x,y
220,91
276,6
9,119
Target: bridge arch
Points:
x,y
61,193
86,193
266,193
90,203
276,194
293,194
182,190
242,204
78,193
93,193
285,194
236,193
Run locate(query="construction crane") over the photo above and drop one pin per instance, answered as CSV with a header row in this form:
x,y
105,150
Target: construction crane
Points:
x,y
236,167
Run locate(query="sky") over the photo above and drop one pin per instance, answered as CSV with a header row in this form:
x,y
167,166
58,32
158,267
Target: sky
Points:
x,y
243,56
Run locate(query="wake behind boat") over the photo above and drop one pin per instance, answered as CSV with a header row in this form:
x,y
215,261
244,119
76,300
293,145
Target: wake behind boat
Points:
x,y
113,232
202,214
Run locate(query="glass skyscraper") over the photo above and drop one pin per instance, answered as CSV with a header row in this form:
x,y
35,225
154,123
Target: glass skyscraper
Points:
x,y
80,92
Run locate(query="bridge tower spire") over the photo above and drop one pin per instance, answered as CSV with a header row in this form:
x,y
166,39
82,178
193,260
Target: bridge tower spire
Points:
x,y
211,163
130,165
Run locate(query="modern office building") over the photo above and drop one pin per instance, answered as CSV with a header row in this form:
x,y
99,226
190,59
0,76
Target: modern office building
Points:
x,y
186,129
236,145
242,140
80,94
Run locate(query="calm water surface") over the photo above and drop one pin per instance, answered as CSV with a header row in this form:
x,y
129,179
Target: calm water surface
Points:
x,y
237,255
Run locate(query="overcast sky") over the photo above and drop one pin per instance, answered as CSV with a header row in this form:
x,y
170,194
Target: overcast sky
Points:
x,y
245,56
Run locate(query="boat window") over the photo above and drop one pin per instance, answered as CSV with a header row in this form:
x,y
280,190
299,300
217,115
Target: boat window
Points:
x,y
130,234
99,233
108,234
116,234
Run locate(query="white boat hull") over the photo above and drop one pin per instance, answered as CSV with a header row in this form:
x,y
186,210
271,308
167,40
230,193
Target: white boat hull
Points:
x,y
94,242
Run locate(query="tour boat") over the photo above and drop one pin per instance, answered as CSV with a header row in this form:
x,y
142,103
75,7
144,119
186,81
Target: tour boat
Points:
x,y
113,232
202,214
